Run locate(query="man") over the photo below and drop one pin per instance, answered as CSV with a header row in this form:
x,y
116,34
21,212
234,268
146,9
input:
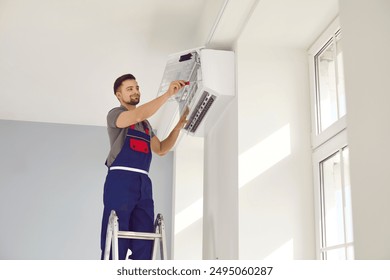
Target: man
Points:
x,y
128,188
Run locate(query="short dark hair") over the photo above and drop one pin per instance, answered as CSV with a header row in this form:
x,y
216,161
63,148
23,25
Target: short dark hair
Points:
x,y
118,82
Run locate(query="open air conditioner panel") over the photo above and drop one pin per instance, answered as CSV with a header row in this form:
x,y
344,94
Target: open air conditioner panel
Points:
x,y
211,88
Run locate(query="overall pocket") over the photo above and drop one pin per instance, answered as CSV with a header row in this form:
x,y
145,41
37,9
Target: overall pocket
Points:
x,y
139,145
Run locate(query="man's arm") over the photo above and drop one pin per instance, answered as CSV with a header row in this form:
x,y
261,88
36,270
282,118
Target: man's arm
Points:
x,y
163,147
141,113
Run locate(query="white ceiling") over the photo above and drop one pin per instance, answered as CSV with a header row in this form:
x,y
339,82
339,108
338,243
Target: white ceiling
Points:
x,y
59,58
289,23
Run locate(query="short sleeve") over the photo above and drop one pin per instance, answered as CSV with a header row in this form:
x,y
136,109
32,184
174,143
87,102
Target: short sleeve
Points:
x,y
113,115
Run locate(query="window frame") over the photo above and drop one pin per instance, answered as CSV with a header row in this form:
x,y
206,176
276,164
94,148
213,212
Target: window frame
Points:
x,y
319,138
334,145
325,143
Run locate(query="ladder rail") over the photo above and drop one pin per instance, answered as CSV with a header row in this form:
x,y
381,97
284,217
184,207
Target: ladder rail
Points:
x,y
115,251
163,244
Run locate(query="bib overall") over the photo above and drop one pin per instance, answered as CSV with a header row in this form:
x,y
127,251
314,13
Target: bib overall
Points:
x,y
128,191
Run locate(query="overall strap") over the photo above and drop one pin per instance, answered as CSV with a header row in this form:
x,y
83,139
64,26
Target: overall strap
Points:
x,y
146,128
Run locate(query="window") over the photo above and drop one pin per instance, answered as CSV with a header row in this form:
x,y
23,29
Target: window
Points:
x,y
335,189
330,148
330,95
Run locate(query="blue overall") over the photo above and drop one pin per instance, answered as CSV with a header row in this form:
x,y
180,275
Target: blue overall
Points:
x,y
128,191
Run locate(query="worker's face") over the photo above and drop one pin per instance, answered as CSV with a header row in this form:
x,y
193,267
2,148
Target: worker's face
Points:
x,y
129,92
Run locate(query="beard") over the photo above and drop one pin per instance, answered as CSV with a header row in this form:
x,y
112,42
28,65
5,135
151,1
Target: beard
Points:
x,y
133,101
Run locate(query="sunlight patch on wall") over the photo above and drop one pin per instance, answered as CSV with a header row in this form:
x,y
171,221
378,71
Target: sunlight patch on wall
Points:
x,y
284,252
188,216
264,155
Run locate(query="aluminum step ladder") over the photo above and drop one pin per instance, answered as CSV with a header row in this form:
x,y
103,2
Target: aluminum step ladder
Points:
x,y
113,233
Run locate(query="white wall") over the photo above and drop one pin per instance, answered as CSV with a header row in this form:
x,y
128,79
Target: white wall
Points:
x,y
262,144
366,45
220,233
276,203
258,197
188,199
276,195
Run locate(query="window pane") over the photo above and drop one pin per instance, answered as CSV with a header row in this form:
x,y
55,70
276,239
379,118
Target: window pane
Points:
x,y
336,254
327,96
340,77
333,206
347,191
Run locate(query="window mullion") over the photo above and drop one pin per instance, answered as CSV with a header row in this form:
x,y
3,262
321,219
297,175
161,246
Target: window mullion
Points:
x,y
317,96
336,71
322,202
343,197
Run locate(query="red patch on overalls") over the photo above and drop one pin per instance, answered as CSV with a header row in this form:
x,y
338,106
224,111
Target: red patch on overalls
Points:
x,y
139,145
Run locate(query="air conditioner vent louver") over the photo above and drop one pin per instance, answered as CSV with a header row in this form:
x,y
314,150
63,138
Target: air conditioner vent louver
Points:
x,y
204,104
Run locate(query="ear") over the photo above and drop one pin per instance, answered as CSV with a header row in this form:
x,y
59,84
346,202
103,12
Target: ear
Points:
x,y
118,94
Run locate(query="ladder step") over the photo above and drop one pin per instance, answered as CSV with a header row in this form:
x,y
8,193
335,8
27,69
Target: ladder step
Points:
x,y
139,235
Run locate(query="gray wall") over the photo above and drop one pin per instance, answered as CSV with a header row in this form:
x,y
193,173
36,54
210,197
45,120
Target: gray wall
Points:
x,y
366,44
51,182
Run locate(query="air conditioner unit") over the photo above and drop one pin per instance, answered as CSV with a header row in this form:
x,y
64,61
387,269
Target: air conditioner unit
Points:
x,y
211,74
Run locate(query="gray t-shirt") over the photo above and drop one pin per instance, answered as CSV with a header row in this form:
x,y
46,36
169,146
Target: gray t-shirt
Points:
x,y
118,135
